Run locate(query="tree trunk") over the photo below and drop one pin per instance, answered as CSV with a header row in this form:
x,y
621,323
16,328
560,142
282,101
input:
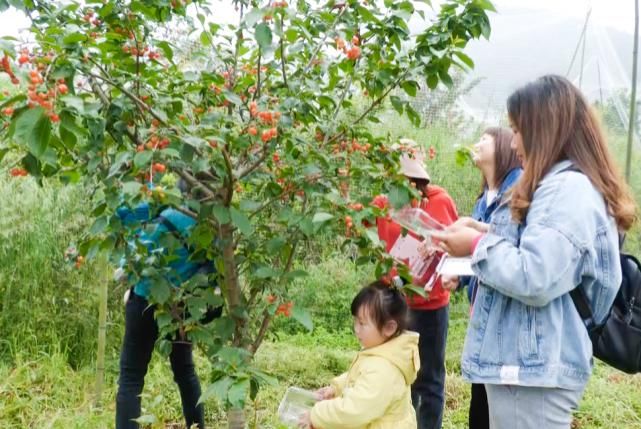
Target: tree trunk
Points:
x,y
236,418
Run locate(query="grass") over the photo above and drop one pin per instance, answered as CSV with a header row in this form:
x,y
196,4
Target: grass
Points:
x,y
45,392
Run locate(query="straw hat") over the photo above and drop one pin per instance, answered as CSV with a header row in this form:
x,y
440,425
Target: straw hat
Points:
x,y
412,164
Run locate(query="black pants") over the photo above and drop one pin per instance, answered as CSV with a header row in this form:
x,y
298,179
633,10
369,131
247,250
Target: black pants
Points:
x,y
141,333
428,391
479,412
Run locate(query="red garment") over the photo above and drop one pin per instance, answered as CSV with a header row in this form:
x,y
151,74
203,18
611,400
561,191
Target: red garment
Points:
x,y
441,207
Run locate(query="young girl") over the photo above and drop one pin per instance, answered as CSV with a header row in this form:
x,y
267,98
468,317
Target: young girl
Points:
x,y
375,392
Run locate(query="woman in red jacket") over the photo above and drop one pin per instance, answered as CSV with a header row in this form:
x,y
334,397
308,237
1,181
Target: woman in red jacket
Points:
x,y
428,316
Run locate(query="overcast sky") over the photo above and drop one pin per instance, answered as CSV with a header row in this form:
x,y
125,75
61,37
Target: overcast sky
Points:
x,y
612,13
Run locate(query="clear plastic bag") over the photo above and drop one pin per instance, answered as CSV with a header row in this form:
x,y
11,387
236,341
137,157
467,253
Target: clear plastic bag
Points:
x,y
295,404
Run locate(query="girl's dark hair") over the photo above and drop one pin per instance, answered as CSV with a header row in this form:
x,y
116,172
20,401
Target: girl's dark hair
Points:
x,y
383,304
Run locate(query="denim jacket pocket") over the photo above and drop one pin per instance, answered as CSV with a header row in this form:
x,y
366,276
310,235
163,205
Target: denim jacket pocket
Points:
x,y
529,337
491,347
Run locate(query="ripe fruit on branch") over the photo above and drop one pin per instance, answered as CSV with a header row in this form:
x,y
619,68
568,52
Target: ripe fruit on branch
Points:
x,y
353,53
158,167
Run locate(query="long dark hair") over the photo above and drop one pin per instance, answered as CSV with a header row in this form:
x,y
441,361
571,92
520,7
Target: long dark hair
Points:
x,y
556,123
505,159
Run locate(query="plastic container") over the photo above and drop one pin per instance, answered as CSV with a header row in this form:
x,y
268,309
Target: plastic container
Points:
x,y
417,221
295,404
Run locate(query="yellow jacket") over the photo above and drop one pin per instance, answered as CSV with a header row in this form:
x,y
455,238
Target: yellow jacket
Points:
x,y
375,392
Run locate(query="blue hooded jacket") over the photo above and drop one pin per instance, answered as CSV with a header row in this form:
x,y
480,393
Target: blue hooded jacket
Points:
x,y
169,221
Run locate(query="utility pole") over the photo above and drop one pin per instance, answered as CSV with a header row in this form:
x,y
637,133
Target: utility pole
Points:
x,y
633,96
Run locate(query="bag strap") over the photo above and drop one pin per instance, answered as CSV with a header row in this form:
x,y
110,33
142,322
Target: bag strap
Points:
x,y
582,306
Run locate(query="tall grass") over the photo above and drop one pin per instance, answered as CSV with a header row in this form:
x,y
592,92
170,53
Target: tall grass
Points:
x,y
46,305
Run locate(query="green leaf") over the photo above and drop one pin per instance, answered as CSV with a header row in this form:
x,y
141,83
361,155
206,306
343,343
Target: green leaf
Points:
x,y
166,49
99,225
147,419
265,273
322,217
295,274
397,103
238,393
205,39
263,35
131,188
372,234
432,81
74,102
399,196
485,4
274,245
410,87
219,389
221,213
366,14
467,60
74,38
302,316
445,78
142,158
413,115
241,221
33,128
415,289
159,291
463,156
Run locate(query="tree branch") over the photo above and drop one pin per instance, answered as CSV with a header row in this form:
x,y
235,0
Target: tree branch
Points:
x,y
255,165
267,318
230,172
282,55
322,42
378,101
195,183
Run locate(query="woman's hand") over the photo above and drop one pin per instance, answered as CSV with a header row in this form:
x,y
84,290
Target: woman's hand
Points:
x,y
449,283
457,240
325,393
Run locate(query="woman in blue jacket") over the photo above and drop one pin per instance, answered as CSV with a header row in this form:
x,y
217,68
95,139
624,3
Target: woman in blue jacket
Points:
x,y
163,235
501,169
559,230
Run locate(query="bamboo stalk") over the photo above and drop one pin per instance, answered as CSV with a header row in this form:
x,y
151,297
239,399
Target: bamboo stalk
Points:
x,y
102,340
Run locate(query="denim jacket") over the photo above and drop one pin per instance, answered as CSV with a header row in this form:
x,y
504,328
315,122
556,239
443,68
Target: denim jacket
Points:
x,y
524,329
483,213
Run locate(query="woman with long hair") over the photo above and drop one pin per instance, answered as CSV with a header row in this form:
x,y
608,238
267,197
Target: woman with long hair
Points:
x,y
559,230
